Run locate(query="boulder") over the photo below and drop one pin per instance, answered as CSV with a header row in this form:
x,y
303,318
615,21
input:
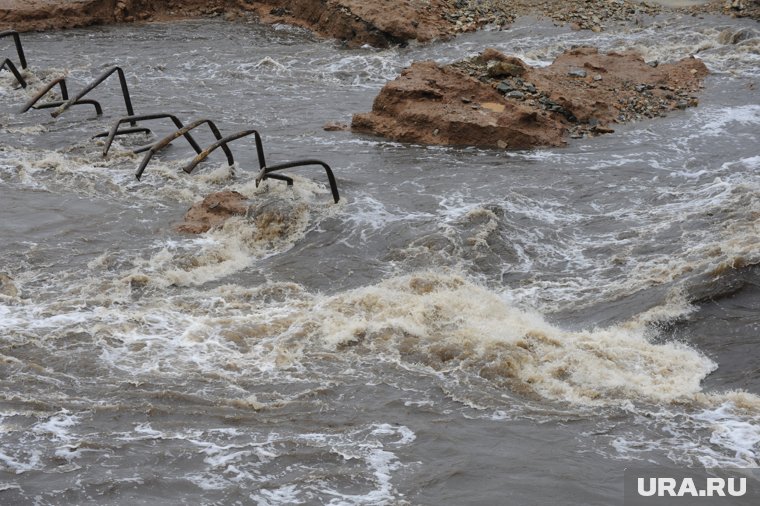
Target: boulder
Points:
x,y
581,93
213,211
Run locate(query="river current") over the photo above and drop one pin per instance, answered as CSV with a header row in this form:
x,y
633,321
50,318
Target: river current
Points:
x,y
466,326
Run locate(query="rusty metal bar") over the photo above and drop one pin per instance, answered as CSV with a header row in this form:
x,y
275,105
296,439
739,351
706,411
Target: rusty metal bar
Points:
x,y
279,177
61,82
93,85
180,133
19,48
56,103
265,173
10,66
145,117
223,144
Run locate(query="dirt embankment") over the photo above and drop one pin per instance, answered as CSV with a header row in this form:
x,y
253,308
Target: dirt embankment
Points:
x,y
495,100
379,22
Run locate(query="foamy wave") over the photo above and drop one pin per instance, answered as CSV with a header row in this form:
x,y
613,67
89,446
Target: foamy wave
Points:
x,y
446,323
282,216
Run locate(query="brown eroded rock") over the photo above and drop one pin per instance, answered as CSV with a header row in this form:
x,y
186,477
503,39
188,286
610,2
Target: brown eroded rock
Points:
x,y
271,220
212,211
494,100
432,104
25,15
379,23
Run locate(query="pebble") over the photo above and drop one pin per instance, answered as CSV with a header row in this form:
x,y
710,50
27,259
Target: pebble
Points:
x,y
577,73
516,94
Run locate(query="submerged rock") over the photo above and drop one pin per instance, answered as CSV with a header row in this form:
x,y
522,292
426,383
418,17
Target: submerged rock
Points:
x,y
272,219
212,211
542,107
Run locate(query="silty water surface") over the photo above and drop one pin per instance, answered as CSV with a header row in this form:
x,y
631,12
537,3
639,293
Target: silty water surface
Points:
x,y
466,326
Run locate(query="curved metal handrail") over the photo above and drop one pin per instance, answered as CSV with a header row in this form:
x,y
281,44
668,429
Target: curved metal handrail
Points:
x,y
93,85
19,48
223,144
61,82
56,103
144,117
180,133
264,173
10,66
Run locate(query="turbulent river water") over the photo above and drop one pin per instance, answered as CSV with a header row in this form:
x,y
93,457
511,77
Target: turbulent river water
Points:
x,y
466,326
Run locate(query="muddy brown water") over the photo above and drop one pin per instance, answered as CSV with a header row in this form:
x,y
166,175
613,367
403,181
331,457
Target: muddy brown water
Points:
x,y
466,327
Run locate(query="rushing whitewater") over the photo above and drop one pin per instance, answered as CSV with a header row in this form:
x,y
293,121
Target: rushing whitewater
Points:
x,y
463,324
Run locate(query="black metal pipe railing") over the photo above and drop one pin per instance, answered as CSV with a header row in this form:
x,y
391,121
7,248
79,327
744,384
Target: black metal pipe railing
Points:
x,y
181,133
132,119
264,173
19,47
10,66
95,84
61,82
223,144
145,117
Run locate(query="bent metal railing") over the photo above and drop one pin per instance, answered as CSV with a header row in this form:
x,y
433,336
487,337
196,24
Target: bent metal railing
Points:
x,y
264,171
8,63
182,133
145,117
19,48
105,75
61,82
10,66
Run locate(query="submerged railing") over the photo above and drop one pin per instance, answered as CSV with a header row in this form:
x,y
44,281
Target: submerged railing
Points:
x,y
61,82
19,47
105,75
8,63
66,102
132,120
182,132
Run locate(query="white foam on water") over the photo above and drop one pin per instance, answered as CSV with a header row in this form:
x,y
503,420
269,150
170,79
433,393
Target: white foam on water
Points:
x,y
737,439
16,466
58,427
287,494
445,321
241,241
724,435
717,122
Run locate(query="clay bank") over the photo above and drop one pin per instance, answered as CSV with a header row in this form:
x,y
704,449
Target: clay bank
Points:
x,y
495,100
379,23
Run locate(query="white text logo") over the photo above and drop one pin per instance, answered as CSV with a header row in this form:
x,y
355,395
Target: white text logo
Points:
x,y
714,487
